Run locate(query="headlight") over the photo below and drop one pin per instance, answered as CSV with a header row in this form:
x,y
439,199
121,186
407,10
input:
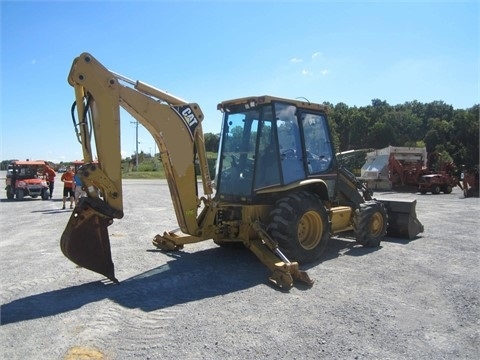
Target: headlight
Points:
x,y
22,184
44,183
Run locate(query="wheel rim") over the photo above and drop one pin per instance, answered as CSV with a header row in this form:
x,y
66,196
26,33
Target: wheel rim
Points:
x,y
310,230
376,224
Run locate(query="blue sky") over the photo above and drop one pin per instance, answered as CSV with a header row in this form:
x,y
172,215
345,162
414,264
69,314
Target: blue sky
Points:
x,y
210,51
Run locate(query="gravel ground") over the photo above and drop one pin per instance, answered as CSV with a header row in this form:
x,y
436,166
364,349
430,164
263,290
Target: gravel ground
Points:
x,y
414,299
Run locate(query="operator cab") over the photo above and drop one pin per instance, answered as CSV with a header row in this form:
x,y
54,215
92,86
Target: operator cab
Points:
x,y
269,142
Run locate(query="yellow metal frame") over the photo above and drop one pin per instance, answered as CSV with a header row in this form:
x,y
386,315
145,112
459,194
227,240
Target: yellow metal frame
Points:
x,y
176,127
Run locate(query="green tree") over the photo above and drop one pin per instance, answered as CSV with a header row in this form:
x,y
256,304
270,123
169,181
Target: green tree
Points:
x,y
405,127
438,109
377,110
381,134
339,121
211,142
465,136
358,130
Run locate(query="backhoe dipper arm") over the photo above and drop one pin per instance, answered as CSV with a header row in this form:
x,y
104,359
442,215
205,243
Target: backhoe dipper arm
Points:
x,y
174,124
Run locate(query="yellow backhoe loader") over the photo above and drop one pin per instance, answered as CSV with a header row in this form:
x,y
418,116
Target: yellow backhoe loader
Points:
x,y
278,189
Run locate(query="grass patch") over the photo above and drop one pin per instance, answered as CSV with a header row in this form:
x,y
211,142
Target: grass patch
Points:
x,y
153,169
143,175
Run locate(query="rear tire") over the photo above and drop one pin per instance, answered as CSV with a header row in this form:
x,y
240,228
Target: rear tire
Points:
x,y
436,190
370,223
299,223
448,189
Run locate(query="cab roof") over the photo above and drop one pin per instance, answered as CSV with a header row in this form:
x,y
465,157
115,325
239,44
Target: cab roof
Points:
x,y
265,99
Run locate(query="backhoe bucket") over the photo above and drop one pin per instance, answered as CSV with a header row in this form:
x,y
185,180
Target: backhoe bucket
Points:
x,y
402,219
85,240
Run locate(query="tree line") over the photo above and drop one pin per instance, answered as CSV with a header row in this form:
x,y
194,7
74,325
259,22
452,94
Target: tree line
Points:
x,y
452,133
437,126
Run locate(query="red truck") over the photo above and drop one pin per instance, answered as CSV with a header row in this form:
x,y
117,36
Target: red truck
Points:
x,y
437,183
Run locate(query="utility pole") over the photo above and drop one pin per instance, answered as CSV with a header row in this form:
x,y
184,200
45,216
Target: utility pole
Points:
x,y
136,143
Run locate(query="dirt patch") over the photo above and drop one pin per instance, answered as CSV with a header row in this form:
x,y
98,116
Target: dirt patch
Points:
x,y
81,353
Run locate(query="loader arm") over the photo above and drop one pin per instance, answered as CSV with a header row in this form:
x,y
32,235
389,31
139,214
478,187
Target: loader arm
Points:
x,y
174,124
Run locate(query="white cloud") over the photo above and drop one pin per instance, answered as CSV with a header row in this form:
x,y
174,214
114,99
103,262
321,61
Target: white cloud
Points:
x,y
306,72
296,60
324,72
316,54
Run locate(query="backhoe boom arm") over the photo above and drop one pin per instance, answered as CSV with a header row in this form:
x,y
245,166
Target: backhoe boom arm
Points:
x,y
174,124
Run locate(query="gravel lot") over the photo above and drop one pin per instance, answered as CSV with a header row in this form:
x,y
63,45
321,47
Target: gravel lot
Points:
x,y
404,300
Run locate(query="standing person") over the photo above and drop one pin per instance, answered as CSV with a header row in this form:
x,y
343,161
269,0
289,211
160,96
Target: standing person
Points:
x,y
68,190
50,178
78,187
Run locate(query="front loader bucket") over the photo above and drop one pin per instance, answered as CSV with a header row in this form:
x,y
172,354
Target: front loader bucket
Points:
x,y
402,219
85,240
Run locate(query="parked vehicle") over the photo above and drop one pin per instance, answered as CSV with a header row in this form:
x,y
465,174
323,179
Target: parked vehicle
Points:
x,y
437,183
469,182
26,178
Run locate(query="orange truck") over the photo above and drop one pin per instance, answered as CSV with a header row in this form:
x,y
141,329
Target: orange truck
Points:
x,y
26,178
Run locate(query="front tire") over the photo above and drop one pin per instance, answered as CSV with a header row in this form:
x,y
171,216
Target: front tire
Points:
x,y
370,223
10,195
20,194
45,194
299,223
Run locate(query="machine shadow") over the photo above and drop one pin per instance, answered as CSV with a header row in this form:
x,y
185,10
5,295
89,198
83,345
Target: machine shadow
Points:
x,y
401,241
341,245
27,199
186,277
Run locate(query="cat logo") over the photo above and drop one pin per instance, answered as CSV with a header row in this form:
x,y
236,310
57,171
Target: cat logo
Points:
x,y
189,116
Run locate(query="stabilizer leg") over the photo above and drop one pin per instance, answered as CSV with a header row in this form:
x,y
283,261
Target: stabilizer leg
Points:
x,y
284,272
